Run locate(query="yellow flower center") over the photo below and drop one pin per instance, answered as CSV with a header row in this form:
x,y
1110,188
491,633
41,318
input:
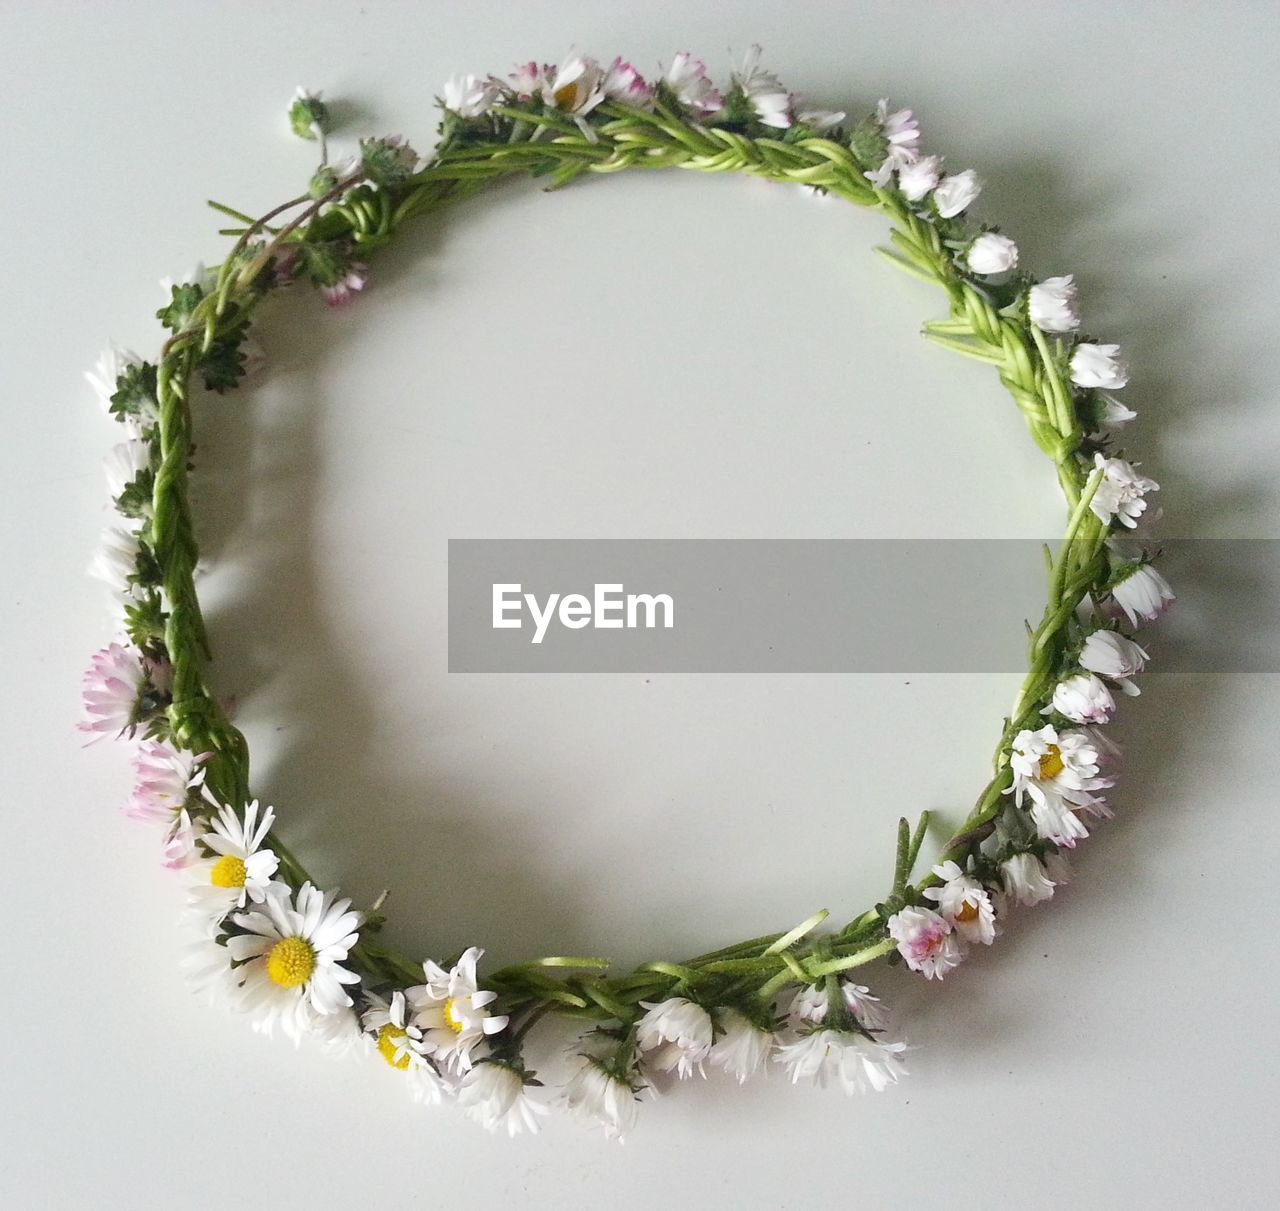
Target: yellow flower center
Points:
x,y
1051,763
451,1019
291,962
227,871
968,912
389,1037
566,95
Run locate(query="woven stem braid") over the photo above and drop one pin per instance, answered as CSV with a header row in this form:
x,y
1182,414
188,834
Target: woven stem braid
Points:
x,y
1033,372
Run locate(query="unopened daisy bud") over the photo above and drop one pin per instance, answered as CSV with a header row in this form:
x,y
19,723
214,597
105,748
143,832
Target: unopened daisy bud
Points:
x,y
105,377
1098,366
956,193
113,687
742,1048
1025,880
527,79
820,120
764,93
123,464
679,1034
116,559
1144,594
600,1094
690,85
323,181
1054,304
308,115
496,1094
1113,414
900,131
1121,491
1114,657
624,84
847,1057
926,940
918,177
1083,698
992,252
388,162
868,1010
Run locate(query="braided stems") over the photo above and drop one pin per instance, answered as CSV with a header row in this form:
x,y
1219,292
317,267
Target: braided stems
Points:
x,y
1031,367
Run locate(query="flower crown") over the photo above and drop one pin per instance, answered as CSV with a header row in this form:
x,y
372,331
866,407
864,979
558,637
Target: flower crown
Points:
x,y
272,944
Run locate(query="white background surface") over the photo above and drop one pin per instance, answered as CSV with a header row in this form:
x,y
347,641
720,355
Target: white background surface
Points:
x,y
636,357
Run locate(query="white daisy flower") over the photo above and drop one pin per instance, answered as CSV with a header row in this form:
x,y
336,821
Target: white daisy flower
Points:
x,y
576,87
1144,594
596,1093
764,92
495,1094
122,465
856,1062
291,958
918,177
679,1032
116,559
965,903
956,192
926,940
112,688
241,867
991,253
470,96
1083,698
691,86
1120,492
1114,657
1098,366
1025,879
1054,304
451,1010
399,1040
742,1048
1058,772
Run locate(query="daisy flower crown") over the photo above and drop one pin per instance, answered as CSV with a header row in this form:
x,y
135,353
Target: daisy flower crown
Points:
x,y
272,944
